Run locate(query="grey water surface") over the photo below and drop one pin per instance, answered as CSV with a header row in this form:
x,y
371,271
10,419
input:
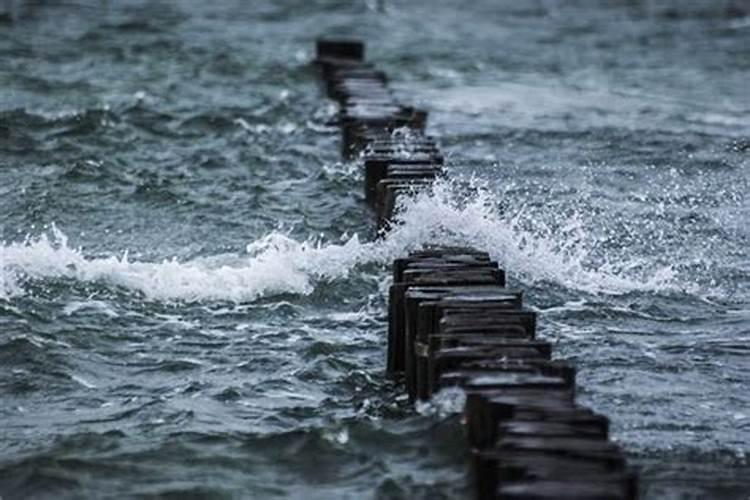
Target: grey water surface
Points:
x,y
192,291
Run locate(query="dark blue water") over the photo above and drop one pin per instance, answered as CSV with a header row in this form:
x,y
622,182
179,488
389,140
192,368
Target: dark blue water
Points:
x,y
192,295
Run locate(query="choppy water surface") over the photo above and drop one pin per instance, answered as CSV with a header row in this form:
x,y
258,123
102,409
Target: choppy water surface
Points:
x,y
191,295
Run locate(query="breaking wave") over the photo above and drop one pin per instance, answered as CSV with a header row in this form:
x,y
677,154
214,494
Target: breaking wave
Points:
x,y
277,263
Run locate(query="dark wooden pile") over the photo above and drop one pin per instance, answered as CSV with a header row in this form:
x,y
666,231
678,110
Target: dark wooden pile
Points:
x,y
389,136
453,323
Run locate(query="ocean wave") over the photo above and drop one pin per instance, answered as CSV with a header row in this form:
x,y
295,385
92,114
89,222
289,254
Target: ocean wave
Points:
x,y
277,263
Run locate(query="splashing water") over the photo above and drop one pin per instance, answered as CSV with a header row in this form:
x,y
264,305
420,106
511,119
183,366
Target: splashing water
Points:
x,y
277,263
561,255
616,199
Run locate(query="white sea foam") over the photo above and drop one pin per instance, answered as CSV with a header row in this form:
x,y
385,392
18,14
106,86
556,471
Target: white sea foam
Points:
x,y
271,270
277,263
446,402
98,306
560,255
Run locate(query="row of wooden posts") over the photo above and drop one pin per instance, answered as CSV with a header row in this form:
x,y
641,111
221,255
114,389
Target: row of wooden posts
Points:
x,y
453,323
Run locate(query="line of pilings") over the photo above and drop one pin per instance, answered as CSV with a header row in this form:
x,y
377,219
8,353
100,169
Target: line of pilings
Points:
x,y
453,323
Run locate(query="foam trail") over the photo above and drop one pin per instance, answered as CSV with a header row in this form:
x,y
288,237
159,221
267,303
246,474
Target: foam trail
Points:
x,y
278,264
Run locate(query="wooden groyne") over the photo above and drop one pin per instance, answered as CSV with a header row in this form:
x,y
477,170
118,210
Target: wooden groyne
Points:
x,y
453,323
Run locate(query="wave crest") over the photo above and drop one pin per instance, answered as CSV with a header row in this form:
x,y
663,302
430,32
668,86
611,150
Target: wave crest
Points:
x,y
276,263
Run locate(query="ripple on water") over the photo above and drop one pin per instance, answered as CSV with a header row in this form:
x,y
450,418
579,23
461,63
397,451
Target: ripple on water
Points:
x,y
170,337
